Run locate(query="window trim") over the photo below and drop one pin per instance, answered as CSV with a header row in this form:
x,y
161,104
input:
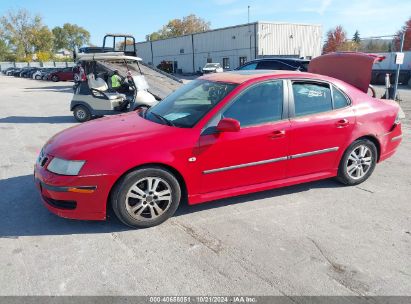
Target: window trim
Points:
x,y
291,110
208,129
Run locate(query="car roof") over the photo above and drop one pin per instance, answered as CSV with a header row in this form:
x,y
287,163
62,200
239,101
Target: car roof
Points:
x,y
242,76
280,59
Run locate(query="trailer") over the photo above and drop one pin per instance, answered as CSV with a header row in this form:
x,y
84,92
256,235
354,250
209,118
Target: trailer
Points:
x,y
388,66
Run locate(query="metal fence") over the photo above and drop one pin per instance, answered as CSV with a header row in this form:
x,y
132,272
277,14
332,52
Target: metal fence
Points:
x,y
47,64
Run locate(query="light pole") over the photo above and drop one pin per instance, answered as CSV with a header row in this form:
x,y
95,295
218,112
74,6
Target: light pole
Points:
x,y
397,75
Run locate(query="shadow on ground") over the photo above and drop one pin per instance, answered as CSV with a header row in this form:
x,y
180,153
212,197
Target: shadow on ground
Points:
x,y
23,213
38,119
62,89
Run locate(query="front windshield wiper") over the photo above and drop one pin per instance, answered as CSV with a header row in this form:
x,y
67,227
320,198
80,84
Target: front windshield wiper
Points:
x,y
162,118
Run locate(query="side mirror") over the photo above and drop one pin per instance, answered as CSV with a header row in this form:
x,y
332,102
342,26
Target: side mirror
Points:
x,y
228,125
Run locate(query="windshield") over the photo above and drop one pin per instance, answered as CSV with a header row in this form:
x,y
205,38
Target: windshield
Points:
x,y
212,65
187,105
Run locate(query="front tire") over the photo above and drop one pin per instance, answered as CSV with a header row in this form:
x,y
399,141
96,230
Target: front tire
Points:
x,y
55,78
146,197
81,114
358,162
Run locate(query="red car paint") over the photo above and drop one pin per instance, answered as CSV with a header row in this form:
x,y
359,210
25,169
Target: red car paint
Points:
x,y
352,67
112,146
66,74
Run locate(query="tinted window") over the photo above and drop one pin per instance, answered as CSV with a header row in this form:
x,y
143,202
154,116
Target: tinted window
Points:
x,y
258,104
311,98
251,66
340,101
270,65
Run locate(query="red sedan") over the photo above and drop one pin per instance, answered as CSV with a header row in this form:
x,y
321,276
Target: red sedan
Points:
x,y
222,135
65,74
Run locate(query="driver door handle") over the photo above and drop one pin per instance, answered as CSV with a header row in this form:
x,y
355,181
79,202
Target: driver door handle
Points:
x,y
277,134
342,123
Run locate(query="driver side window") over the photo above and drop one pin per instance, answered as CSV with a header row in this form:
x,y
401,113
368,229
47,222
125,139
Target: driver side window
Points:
x,y
258,104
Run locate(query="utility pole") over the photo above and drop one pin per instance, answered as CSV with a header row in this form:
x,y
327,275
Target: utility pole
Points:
x,y
397,75
248,14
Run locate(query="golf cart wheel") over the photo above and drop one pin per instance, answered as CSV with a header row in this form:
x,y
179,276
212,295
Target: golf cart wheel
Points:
x,y
55,78
358,162
146,197
38,77
81,113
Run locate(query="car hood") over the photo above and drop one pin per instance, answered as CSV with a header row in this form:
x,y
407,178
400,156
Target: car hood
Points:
x,y
352,67
113,132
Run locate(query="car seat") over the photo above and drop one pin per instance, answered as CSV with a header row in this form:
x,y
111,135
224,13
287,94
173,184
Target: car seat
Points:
x,y
101,86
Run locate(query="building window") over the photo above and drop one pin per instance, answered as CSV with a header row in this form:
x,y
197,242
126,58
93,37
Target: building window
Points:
x,y
243,60
226,63
209,60
181,51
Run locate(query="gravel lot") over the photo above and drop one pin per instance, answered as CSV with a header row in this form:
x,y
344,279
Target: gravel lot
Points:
x,y
313,239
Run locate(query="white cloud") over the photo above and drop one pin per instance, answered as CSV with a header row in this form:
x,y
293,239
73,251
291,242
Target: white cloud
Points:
x,y
319,7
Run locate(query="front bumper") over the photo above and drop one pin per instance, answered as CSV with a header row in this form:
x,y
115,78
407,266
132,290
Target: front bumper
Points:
x,y
74,197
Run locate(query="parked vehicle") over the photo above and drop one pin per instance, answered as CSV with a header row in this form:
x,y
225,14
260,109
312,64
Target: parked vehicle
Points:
x,y
212,68
8,70
97,97
276,63
65,74
47,73
27,72
274,129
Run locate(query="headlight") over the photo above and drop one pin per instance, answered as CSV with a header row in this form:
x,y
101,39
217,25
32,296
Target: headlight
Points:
x,y
65,167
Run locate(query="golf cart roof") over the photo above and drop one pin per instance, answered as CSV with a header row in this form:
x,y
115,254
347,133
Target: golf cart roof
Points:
x,y
109,56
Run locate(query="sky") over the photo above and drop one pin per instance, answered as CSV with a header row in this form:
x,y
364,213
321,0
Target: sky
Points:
x,y
139,18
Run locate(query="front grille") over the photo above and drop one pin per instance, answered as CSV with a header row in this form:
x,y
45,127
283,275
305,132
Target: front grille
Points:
x,y
67,205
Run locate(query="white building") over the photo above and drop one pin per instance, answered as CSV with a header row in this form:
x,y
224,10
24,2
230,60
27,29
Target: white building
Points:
x,y
233,46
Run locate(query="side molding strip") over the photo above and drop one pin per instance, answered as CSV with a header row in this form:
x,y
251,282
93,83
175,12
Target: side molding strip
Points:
x,y
273,160
313,153
261,162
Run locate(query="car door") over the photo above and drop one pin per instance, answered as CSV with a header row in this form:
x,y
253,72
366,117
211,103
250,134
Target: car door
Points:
x,y
321,124
257,152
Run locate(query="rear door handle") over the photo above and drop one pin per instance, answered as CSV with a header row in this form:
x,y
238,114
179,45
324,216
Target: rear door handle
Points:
x,y
342,123
277,134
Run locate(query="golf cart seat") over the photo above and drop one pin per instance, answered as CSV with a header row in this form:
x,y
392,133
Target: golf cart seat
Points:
x,y
99,86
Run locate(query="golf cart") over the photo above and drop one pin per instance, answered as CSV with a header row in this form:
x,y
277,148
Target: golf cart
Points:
x,y
93,94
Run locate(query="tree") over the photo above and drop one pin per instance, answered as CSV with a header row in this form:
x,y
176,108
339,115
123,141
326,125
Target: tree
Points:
x,y
41,39
60,38
356,38
335,39
177,27
407,41
70,36
18,28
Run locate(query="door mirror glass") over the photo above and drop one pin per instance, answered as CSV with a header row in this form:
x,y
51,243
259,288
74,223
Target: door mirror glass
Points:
x,y
228,125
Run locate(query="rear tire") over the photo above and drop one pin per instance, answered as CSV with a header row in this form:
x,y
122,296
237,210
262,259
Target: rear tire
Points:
x,y
81,113
146,197
358,162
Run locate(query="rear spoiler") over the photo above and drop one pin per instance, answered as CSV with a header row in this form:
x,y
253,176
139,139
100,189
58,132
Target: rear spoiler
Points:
x,y
352,67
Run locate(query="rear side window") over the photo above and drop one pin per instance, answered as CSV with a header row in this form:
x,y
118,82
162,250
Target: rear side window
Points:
x,y
311,98
340,101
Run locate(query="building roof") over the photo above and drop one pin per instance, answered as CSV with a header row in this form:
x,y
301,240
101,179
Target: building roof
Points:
x,y
238,25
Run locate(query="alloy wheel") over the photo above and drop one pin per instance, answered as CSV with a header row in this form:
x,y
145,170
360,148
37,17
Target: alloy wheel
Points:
x,y
148,198
359,162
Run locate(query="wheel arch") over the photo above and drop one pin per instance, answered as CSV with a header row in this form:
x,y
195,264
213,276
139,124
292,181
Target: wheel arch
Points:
x,y
375,141
171,169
